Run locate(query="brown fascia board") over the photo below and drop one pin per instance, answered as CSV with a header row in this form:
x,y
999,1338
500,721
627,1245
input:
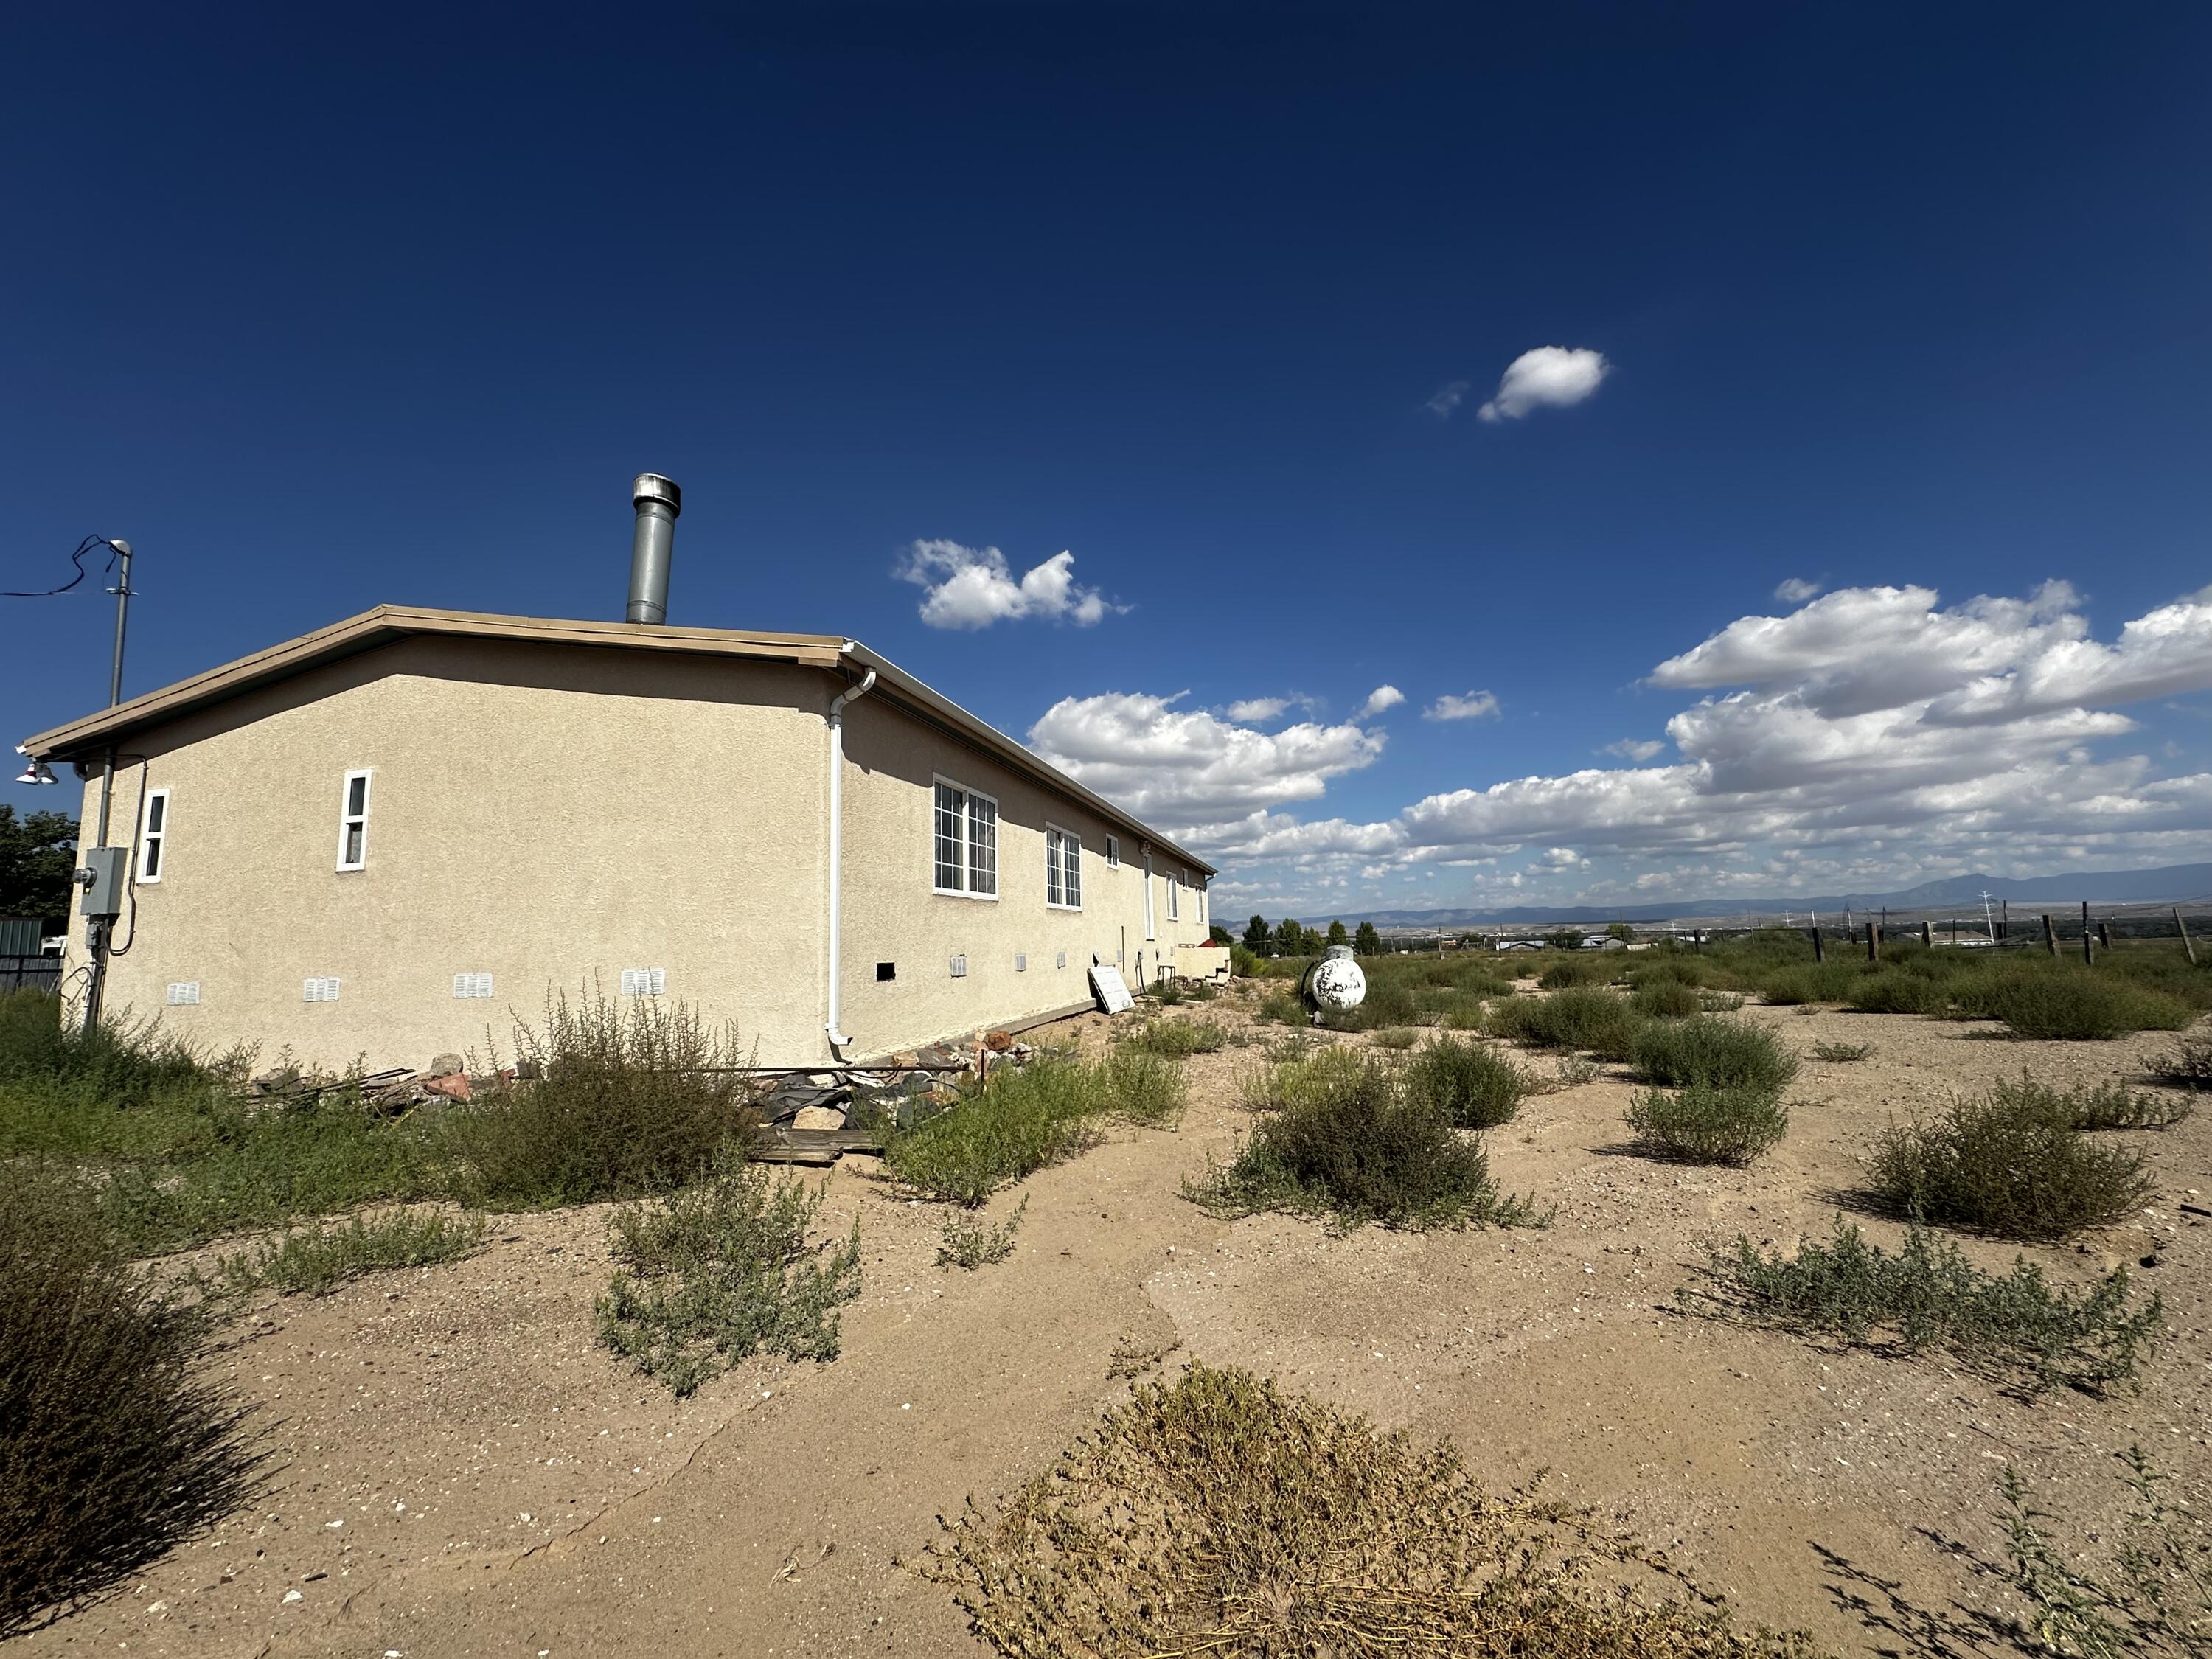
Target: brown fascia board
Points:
x,y
940,711
88,736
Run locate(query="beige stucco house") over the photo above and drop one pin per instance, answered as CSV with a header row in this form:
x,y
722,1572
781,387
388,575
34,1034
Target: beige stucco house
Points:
x,y
384,840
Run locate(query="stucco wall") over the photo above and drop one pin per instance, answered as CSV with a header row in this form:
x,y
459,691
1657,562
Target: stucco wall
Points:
x,y
553,814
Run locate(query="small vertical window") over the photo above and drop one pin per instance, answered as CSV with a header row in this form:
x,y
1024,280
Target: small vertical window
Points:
x,y
1113,852
1175,897
153,836
1149,929
353,823
1063,869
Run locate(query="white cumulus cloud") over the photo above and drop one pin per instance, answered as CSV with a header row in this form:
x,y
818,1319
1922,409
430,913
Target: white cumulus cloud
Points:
x,y
1795,590
1557,376
1474,706
975,586
1382,698
1182,767
1256,710
1636,749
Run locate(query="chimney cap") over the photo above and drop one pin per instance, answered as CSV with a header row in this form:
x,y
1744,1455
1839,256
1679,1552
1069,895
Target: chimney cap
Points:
x,y
652,487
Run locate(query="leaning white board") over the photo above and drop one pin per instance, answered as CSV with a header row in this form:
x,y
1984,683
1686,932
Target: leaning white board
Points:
x,y
1107,985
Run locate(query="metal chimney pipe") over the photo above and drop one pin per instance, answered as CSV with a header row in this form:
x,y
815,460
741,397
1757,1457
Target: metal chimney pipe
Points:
x,y
657,502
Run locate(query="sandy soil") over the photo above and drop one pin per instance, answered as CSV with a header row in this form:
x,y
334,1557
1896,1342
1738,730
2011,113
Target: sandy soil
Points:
x,y
464,1471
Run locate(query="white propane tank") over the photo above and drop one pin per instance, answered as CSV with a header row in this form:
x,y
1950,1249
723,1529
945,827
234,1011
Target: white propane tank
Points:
x,y
1335,983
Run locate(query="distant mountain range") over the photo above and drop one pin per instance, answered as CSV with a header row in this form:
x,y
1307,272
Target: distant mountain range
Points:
x,y
2175,882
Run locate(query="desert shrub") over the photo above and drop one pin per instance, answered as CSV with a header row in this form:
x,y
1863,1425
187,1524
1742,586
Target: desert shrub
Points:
x,y
1467,1016
116,1444
2066,1002
1241,962
1282,1008
2012,1164
1474,1087
719,1270
1717,1053
971,1243
1891,991
626,1100
1666,998
1708,1125
1218,1516
2155,1596
1719,1002
1347,1139
1573,1071
1580,1018
1930,1296
1017,1120
1843,1052
122,1062
1598,967
1176,1038
2094,1106
2188,1066
1386,1004
1395,1036
1797,983
319,1259
1167,993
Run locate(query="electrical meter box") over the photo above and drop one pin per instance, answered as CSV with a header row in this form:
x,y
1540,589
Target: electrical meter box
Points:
x,y
105,871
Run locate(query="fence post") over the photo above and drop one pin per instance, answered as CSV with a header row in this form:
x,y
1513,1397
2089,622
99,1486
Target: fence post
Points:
x,y
2105,935
2089,946
1820,951
2188,946
1873,941
2050,935
1928,932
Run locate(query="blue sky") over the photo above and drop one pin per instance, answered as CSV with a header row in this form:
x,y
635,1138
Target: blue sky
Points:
x,y
1904,304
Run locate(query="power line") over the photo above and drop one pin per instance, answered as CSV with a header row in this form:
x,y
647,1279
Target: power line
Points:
x,y
76,559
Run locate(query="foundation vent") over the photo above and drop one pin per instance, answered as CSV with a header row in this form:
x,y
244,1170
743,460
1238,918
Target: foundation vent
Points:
x,y
472,985
184,993
960,967
644,981
318,990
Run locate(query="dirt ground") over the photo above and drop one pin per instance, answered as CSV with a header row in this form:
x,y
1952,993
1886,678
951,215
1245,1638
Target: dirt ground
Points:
x,y
462,1471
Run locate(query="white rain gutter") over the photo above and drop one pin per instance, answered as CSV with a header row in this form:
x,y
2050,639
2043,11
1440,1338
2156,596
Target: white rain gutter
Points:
x,y
837,1038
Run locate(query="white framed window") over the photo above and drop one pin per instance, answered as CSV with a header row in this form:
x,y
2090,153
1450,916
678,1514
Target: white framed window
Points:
x,y
644,981
1149,929
353,822
964,841
1175,896
1063,868
1113,852
318,990
153,837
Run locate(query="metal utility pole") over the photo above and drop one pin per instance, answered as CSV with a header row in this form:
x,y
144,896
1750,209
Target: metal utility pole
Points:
x,y
1986,920
102,878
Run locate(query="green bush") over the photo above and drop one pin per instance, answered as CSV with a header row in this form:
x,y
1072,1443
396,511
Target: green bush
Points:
x,y
2094,1106
1386,1004
2061,1000
2188,1066
1474,1087
1715,1052
116,1441
629,1098
720,1271
121,1063
1843,1052
1890,990
320,1259
1708,1125
1400,1037
2155,1597
1798,983
1930,1296
1020,1119
1580,1018
1345,1140
1666,998
969,1243
2012,1164
1177,1038
1282,1008
1596,968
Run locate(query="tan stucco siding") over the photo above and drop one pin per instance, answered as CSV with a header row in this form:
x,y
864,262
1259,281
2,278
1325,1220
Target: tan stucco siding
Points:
x,y
893,914
548,816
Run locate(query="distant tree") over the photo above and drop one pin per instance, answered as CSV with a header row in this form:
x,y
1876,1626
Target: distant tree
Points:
x,y
1216,935
1565,938
1367,942
1337,935
1290,938
1310,942
1619,930
37,852
1257,940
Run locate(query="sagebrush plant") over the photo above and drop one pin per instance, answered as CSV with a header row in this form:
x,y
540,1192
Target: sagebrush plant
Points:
x,y
2094,1106
1926,1295
2155,1595
1583,1017
1400,1037
1283,1008
318,1259
1474,1087
1702,1124
1176,1038
1019,1120
2011,1163
968,1241
1386,1004
1713,1051
1344,1138
629,1097
2064,1000
720,1271
117,1443
1843,1052
1666,998
2188,1066
1218,1516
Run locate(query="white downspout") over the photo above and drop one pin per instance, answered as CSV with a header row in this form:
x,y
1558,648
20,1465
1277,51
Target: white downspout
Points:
x,y
837,1037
